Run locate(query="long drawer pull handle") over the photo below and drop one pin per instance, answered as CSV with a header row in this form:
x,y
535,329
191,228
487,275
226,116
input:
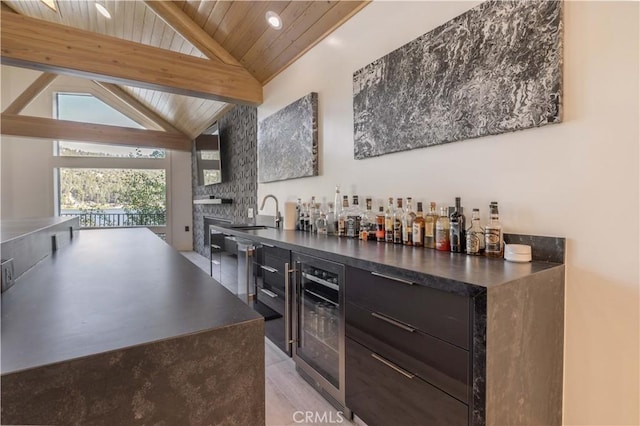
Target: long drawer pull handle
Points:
x,y
393,322
377,274
268,268
267,245
215,247
269,293
393,366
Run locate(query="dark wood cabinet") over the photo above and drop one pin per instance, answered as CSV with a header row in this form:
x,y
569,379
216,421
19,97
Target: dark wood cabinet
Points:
x,y
407,355
382,393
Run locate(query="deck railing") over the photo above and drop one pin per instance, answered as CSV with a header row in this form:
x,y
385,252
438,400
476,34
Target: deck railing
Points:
x,y
114,220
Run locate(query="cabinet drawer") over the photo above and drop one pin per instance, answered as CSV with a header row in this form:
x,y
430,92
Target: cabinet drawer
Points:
x,y
438,313
440,363
381,395
272,297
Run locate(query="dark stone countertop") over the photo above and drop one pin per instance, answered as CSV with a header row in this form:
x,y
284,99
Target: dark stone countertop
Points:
x,y
15,228
453,272
110,289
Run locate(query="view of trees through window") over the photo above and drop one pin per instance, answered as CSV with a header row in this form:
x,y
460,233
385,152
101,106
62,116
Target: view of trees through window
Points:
x,y
108,196
114,197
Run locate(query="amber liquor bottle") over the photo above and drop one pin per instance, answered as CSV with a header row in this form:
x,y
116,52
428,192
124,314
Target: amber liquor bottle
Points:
x,y
397,222
354,215
342,217
442,231
430,227
418,227
380,225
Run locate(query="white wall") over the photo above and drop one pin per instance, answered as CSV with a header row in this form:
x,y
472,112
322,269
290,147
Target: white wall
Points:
x,y
578,179
27,184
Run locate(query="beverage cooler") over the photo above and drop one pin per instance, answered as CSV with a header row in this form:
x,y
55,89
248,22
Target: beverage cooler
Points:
x,y
318,325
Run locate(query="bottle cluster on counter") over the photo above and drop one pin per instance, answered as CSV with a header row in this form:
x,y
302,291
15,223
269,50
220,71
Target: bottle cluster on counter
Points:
x,y
400,224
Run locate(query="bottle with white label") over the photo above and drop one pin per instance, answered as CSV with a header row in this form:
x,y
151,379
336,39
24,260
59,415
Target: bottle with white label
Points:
x,y
493,238
475,235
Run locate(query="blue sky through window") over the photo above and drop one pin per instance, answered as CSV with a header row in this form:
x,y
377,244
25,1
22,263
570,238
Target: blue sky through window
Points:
x,y
87,108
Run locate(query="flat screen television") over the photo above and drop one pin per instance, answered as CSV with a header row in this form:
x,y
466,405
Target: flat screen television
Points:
x,y
208,159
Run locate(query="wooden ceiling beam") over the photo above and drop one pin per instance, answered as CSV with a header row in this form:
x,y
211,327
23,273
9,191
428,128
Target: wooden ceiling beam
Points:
x,y
6,8
46,46
48,128
175,17
25,98
128,99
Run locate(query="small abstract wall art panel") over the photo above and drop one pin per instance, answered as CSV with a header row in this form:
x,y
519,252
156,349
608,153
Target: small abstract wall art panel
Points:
x,y
496,68
288,141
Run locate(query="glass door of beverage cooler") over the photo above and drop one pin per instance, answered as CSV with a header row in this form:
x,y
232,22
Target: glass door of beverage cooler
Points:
x,y
319,323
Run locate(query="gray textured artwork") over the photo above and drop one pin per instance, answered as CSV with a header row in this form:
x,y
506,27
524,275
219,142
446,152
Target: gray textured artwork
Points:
x,y
288,141
496,68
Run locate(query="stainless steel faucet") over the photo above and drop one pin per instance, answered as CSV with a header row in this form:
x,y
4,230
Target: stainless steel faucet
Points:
x,y
277,217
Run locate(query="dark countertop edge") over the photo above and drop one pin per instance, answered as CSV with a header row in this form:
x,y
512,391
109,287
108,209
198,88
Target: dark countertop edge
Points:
x,y
442,283
124,348
63,219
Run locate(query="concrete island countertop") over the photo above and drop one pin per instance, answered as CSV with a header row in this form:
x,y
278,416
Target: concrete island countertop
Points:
x,y
127,327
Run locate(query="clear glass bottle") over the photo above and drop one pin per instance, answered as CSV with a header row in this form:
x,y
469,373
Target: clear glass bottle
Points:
x,y
430,226
417,231
457,228
332,220
337,203
407,223
493,238
442,231
388,222
368,222
298,214
380,225
321,224
353,219
475,235
305,217
397,222
342,217
313,214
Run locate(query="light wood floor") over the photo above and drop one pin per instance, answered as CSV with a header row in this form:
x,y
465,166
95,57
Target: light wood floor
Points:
x,y
288,396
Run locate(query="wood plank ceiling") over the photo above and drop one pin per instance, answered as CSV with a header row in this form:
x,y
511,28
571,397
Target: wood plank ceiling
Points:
x,y
239,27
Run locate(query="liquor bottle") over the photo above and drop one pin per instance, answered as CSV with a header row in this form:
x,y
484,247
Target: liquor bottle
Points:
x,y
313,215
442,231
368,222
342,217
457,229
305,221
418,228
321,224
493,238
430,227
475,235
388,222
407,223
298,213
337,203
397,222
380,225
301,217
353,219
332,221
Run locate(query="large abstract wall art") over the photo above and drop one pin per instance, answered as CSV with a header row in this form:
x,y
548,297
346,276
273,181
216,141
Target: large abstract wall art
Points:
x,y
496,68
288,141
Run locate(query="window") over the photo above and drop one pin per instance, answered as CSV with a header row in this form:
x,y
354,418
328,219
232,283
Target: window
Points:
x,y
108,185
87,108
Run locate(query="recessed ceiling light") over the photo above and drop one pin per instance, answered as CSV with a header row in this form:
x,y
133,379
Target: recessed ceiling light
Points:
x,y
103,11
51,4
273,19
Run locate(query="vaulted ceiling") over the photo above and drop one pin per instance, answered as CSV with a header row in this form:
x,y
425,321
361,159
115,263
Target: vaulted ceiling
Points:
x,y
218,53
